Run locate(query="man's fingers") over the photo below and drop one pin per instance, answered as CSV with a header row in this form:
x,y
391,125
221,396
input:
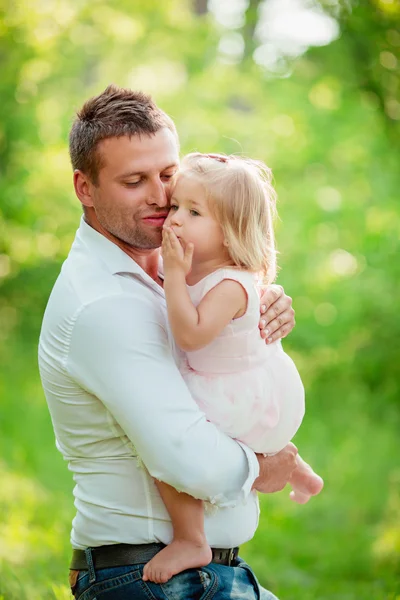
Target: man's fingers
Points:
x,y
280,333
270,295
277,334
277,314
282,310
272,321
276,470
285,320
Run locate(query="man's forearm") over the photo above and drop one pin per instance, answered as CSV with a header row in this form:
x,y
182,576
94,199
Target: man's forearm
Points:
x,y
127,364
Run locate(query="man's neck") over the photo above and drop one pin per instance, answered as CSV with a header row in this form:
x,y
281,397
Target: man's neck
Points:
x,y
148,260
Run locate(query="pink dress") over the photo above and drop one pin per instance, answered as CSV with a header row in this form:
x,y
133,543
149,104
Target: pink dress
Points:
x,y
252,391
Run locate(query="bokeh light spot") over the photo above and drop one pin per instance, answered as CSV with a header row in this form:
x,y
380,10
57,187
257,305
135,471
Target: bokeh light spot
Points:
x,y
329,198
388,60
343,263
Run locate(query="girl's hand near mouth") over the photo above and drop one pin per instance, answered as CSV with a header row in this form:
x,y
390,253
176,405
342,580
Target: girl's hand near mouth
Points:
x,y
176,255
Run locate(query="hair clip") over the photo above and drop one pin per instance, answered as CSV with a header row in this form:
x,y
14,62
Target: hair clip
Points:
x,y
219,157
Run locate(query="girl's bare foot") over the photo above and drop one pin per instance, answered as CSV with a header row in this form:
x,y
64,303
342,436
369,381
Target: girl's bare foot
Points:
x,y
305,482
176,557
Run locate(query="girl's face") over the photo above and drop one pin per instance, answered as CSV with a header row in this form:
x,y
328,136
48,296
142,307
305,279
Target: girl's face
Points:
x,y
192,220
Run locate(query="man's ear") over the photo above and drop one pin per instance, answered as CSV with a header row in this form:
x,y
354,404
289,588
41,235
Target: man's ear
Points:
x,y
83,188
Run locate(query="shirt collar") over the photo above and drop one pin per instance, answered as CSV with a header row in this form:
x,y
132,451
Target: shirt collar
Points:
x,y
115,259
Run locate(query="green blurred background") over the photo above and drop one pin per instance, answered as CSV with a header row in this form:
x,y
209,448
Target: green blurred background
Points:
x,y
313,89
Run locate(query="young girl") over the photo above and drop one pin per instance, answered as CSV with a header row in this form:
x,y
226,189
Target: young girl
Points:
x,y
218,244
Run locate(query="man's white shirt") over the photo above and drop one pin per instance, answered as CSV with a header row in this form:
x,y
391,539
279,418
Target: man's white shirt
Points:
x,y
108,365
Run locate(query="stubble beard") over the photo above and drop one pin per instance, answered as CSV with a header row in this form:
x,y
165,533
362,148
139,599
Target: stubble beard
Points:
x,y
135,236
142,241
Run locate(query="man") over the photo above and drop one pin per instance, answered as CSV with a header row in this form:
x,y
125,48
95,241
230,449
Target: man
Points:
x,y
121,412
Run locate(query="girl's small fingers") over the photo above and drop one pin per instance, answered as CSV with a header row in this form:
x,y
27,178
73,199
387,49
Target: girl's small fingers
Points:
x,y
172,234
189,252
175,243
168,239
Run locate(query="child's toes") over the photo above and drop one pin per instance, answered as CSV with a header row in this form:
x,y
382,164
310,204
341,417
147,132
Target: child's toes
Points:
x,y
299,497
159,577
148,572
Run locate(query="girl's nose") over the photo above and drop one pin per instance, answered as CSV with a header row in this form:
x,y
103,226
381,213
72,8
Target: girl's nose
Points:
x,y
176,218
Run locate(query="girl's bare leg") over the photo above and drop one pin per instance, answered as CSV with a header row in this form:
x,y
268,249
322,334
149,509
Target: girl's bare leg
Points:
x,y
305,483
189,547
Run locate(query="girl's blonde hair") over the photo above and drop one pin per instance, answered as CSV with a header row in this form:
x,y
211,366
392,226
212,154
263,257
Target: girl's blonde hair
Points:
x,y
242,200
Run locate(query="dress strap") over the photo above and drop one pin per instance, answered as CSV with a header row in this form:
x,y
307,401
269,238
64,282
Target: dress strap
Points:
x,y
245,278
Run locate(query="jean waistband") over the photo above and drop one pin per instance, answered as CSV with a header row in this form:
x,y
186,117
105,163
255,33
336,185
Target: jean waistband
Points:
x,y
117,555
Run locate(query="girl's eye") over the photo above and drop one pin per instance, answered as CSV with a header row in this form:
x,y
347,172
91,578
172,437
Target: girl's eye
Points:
x,y
133,183
173,207
194,213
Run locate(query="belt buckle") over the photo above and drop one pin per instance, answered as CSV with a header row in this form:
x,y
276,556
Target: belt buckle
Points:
x,y
231,556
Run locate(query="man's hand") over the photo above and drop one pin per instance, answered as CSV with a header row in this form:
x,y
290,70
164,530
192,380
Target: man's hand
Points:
x,y
275,471
277,314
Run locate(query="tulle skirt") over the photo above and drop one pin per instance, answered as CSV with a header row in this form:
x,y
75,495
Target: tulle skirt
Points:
x,y
261,407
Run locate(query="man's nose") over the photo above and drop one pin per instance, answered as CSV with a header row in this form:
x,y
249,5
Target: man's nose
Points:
x,y
158,193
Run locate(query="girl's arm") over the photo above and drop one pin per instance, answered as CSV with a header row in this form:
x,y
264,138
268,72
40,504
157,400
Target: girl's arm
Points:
x,y
193,328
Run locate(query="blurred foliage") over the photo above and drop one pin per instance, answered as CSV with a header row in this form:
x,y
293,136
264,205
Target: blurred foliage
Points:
x,y
328,123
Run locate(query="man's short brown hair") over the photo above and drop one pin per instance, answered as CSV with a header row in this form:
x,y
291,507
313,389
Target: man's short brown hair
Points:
x,y
113,113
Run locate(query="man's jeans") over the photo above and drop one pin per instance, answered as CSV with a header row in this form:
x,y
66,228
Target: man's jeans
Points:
x,y
214,581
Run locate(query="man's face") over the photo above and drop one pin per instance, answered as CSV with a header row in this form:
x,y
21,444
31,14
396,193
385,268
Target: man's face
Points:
x,y
131,198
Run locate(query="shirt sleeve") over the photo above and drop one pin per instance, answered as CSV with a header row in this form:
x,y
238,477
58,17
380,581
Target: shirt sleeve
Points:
x,y
119,352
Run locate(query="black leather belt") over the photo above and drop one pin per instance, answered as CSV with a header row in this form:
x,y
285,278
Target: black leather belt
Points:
x,y
117,555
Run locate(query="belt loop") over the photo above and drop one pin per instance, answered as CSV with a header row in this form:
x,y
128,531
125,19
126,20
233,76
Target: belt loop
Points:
x,y
89,560
231,556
